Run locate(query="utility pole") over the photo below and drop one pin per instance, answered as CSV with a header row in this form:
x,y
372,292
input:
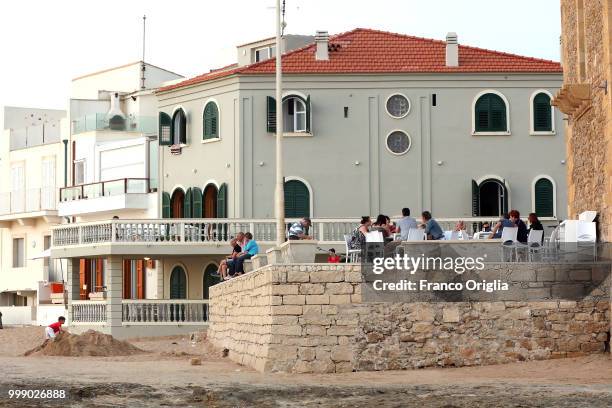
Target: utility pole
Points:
x,y
279,201
142,64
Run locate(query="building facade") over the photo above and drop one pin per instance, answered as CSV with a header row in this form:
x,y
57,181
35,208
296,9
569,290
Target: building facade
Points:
x,y
586,100
373,122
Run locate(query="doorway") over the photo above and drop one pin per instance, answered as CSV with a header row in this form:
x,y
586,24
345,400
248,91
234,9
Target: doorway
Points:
x,y
492,198
210,201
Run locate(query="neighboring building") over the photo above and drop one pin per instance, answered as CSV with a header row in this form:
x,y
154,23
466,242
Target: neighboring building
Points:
x,y
586,100
373,122
31,160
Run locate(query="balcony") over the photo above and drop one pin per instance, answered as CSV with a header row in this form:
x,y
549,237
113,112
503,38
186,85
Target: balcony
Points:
x,y
192,237
21,205
102,122
105,196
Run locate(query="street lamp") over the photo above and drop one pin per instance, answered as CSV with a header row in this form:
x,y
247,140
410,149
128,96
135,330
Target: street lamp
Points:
x,y
279,208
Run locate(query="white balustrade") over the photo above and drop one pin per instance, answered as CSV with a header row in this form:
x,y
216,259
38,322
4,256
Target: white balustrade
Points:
x,y
87,311
217,230
165,311
30,200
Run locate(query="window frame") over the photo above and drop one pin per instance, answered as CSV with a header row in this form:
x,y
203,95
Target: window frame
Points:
x,y
387,108
310,192
506,132
24,256
409,142
175,112
304,112
533,195
218,137
268,48
532,130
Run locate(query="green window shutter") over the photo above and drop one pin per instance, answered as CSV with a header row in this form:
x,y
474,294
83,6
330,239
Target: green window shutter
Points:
x,y
178,284
211,121
475,199
222,201
165,132
270,114
490,114
165,205
187,204
297,199
542,113
196,196
544,198
308,114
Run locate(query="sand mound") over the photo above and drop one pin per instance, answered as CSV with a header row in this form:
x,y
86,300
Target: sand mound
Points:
x,y
90,343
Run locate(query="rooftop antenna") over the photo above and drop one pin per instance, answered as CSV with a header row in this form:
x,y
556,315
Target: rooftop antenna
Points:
x,y
142,62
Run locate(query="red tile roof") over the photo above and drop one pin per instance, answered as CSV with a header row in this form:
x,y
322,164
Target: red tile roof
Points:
x,y
366,51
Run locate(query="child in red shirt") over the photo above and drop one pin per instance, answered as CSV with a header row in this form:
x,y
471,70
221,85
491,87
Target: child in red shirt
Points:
x,y
54,328
333,258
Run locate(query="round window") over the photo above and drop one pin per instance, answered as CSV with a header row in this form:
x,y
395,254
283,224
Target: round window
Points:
x,y
398,106
398,142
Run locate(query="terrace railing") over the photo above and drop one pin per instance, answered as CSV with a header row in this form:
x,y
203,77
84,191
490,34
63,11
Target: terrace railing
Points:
x,y
173,231
88,311
101,121
28,200
164,311
105,189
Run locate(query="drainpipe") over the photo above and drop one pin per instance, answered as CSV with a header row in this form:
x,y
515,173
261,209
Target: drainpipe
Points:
x,y
65,141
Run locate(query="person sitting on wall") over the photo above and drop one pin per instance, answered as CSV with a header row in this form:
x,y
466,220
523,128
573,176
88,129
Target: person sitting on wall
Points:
x,y
236,249
521,235
54,329
504,221
249,250
432,228
333,257
299,230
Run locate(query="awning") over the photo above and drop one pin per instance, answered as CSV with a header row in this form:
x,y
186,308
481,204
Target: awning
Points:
x,y
44,254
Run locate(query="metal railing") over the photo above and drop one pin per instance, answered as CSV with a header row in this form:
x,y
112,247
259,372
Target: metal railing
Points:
x,y
102,121
105,189
29,200
165,311
88,311
172,231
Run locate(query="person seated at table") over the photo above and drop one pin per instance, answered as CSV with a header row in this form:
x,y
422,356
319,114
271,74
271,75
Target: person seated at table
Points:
x,y
504,221
405,223
236,249
535,224
515,218
486,227
382,226
460,226
249,250
299,230
431,226
358,235
392,227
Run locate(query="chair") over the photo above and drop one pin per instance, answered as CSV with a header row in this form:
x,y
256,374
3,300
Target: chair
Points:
x,y
374,236
551,245
416,234
463,235
451,235
482,235
352,255
509,241
534,244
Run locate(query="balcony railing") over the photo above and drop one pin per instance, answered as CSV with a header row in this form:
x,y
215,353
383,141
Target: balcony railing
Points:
x,y
165,311
30,200
105,189
173,231
101,121
87,311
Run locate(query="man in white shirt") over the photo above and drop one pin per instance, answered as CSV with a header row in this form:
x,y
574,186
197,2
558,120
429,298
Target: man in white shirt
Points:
x,y
405,223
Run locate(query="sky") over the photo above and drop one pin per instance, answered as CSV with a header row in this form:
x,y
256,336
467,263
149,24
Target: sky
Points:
x,y
47,43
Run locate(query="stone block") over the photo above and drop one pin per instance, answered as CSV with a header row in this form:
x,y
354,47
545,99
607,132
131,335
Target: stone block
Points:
x,y
341,353
340,288
286,310
317,299
284,289
352,277
340,299
327,276
294,299
297,277
451,315
311,288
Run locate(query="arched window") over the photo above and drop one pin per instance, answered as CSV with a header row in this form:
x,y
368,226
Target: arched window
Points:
x,y
294,114
178,283
489,198
179,127
544,198
490,114
177,204
542,113
209,201
209,280
211,121
297,199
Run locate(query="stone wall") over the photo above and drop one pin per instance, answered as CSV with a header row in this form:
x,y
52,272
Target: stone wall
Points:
x,y
589,133
310,318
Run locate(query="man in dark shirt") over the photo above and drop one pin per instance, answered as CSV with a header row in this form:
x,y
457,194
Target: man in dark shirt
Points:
x,y
521,235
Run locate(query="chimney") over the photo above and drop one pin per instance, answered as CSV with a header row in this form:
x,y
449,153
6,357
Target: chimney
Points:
x,y
322,42
116,117
452,50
